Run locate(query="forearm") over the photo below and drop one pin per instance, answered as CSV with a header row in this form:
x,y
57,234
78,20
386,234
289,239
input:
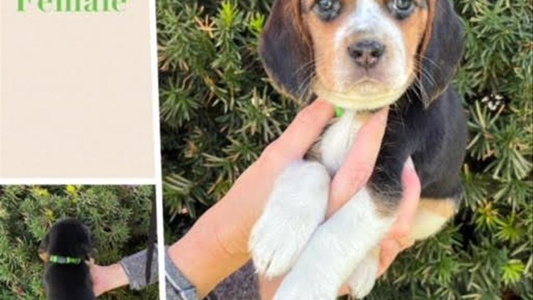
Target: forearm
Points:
x,y
117,275
202,256
106,278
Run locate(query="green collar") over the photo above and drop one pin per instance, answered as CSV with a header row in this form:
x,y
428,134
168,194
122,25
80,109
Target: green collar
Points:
x,y
339,111
65,260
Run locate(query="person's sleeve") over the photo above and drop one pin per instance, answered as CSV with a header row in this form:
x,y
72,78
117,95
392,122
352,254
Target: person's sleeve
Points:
x,y
178,286
135,268
241,285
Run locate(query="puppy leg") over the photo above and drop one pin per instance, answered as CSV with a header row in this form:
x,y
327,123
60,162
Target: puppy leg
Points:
x,y
431,216
296,207
336,249
363,279
43,248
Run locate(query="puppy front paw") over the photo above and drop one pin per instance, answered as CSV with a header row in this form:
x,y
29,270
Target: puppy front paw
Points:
x,y
296,207
303,287
364,278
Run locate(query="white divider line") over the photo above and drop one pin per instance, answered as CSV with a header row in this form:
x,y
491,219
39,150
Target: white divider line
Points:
x,y
157,149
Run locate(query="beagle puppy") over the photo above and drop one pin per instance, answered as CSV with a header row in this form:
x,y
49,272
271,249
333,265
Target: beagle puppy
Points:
x,y
361,55
67,250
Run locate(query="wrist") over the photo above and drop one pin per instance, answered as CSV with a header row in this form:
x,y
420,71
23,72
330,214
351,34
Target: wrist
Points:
x,y
208,246
107,278
116,277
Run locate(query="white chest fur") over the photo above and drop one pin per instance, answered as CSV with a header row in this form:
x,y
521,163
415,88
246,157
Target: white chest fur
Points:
x,y
337,141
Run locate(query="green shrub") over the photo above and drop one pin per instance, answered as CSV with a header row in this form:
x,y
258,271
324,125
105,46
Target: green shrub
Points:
x,y
219,111
118,217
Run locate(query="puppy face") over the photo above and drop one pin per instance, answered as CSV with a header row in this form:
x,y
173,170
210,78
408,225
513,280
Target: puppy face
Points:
x,y
362,54
67,237
364,50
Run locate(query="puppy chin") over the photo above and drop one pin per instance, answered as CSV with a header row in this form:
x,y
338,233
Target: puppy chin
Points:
x,y
367,96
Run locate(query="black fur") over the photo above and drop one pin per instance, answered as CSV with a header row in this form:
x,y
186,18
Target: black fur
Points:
x,y
435,138
442,54
69,238
286,52
427,123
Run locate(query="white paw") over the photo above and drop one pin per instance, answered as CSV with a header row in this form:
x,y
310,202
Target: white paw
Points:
x,y
335,250
296,207
306,286
363,279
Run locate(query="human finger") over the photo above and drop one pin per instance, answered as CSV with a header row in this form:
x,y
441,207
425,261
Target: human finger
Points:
x,y
390,249
359,164
410,200
301,134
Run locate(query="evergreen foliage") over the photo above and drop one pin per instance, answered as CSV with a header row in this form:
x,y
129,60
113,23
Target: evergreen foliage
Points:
x,y
219,111
118,217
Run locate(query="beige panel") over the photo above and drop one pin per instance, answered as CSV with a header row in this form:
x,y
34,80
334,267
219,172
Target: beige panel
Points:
x,y
75,96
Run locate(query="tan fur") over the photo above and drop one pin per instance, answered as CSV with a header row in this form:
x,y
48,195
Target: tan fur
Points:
x,y
325,53
445,208
432,7
45,256
431,216
414,29
332,81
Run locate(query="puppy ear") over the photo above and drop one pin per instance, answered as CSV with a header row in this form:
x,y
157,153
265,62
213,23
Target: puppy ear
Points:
x,y
43,248
87,244
286,51
441,51
88,252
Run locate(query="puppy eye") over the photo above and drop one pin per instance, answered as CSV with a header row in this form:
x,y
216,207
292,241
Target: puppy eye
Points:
x,y
327,10
401,9
403,4
325,5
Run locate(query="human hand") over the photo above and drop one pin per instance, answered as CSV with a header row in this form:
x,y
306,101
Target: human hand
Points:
x,y
106,278
218,242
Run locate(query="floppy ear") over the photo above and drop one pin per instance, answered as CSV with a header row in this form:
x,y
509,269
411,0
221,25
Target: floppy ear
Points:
x,y
87,244
442,50
43,248
286,51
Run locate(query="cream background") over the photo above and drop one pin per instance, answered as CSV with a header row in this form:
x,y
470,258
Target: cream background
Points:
x,y
76,94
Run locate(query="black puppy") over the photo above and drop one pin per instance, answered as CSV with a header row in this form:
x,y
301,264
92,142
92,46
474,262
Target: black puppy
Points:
x,y
67,249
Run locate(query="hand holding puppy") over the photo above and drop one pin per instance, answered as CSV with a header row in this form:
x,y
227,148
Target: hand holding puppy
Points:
x,y
219,240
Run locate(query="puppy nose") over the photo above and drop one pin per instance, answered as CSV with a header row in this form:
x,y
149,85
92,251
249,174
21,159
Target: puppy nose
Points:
x,y
366,53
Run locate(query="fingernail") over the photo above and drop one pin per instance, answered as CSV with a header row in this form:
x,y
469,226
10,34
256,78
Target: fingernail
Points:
x,y
409,164
320,100
323,104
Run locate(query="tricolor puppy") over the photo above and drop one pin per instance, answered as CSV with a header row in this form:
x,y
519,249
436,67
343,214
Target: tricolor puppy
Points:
x,y
67,250
361,55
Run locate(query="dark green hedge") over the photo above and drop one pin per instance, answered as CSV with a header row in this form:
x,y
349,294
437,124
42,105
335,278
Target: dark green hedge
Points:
x,y
219,111
118,217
